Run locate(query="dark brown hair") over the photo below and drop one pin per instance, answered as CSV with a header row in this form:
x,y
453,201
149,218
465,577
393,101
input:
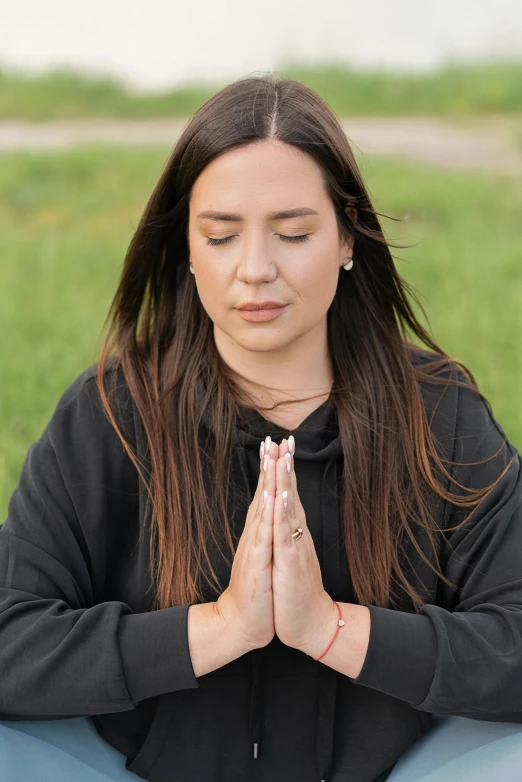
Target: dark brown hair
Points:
x,y
160,334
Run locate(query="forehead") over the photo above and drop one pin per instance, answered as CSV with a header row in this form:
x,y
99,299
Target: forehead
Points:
x,y
257,175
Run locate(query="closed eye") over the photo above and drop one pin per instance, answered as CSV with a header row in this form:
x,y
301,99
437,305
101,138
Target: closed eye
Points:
x,y
302,238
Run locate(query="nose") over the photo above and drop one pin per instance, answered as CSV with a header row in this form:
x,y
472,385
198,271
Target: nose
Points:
x,y
255,264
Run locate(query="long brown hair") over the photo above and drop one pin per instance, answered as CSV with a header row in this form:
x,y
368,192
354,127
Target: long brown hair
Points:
x,y
161,336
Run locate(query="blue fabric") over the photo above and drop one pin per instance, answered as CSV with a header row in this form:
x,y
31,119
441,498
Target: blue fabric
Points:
x,y
58,751
463,750
456,749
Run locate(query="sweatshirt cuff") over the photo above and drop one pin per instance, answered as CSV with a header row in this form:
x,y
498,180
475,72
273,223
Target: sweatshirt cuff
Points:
x,y
155,652
401,656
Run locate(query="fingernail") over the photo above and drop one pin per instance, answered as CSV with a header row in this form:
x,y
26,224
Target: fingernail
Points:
x,y
285,496
291,444
265,461
265,495
262,450
268,441
288,462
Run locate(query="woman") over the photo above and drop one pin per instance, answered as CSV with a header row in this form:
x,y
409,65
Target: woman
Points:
x,y
266,536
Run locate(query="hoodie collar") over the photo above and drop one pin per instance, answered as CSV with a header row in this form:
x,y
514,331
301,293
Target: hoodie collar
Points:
x,y
316,440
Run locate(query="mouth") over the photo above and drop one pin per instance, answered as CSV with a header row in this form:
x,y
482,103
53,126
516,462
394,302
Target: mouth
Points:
x,y
261,309
258,314
262,305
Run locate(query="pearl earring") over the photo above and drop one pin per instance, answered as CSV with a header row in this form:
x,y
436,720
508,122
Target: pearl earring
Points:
x,y
192,269
349,264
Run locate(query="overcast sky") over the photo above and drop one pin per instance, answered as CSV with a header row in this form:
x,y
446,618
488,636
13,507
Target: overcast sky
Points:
x,y
157,43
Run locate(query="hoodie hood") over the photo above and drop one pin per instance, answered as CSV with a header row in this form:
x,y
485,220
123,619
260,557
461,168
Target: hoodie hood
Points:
x,y
318,469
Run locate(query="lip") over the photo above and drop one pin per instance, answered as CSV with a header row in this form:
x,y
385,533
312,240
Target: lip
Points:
x,y
261,315
264,304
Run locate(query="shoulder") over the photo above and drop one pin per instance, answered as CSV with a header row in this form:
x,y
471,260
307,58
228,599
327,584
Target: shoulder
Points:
x,y
77,481
462,419
445,380
79,415
84,386
440,376
431,365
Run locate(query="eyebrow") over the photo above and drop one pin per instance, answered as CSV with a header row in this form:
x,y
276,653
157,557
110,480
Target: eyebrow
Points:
x,y
210,214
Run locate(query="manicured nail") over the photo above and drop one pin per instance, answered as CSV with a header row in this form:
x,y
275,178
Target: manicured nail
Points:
x,y
268,441
262,450
265,496
288,461
265,461
285,496
291,444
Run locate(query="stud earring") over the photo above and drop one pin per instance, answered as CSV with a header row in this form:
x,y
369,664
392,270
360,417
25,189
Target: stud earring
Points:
x,y
191,269
349,264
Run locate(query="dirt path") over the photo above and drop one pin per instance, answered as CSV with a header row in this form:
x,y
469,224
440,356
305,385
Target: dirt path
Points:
x,y
485,144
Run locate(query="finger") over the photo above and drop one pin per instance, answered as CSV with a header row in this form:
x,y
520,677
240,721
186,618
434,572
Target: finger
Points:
x,y
262,540
290,466
266,448
287,446
269,450
254,512
263,526
281,522
256,499
283,477
269,468
260,478
287,481
282,525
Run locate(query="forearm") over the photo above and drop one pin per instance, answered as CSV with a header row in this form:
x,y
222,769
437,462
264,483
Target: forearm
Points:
x,y
212,643
348,651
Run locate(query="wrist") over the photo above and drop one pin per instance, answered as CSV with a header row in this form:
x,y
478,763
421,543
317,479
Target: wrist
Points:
x,y
230,629
325,630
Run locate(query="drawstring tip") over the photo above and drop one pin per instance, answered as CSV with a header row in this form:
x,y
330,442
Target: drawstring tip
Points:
x,y
255,749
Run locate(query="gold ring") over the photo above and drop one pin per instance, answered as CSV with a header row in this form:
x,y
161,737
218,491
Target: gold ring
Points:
x,y
297,534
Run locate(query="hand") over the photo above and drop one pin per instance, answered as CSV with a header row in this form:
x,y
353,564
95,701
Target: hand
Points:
x,y
303,610
246,605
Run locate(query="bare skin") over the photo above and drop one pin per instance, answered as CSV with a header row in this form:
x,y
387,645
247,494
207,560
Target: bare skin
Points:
x,y
288,354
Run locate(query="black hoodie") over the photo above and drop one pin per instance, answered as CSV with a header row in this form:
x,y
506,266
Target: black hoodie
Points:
x,y
79,637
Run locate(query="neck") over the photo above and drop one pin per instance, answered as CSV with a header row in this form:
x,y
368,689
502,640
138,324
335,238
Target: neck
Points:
x,y
300,369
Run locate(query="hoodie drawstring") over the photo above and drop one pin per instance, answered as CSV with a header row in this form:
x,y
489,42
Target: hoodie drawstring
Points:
x,y
327,686
255,701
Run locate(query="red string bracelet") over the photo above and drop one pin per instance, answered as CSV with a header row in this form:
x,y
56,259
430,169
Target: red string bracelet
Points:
x,y
340,623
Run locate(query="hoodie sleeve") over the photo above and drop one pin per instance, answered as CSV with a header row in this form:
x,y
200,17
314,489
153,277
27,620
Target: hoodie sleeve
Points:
x,y
463,655
64,651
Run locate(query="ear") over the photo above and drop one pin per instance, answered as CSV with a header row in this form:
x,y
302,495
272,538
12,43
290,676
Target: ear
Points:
x,y
348,238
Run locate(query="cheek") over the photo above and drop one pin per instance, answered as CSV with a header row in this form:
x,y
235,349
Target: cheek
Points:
x,y
316,279
213,284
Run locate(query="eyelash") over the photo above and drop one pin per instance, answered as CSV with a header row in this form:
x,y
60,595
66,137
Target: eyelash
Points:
x,y
302,238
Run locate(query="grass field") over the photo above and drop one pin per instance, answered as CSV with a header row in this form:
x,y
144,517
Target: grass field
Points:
x,y
455,89
66,220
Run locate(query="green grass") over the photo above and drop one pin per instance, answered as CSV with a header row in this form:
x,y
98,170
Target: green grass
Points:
x,y
66,220
455,90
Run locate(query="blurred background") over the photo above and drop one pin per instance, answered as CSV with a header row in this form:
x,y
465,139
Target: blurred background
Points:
x,y
94,95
